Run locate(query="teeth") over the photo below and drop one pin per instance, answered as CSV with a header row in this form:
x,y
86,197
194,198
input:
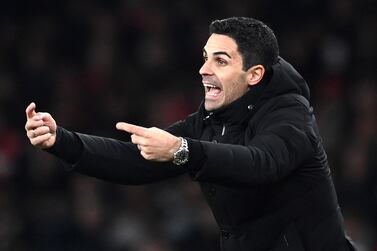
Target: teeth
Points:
x,y
210,86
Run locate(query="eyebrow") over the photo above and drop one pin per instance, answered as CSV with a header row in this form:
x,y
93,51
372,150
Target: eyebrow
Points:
x,y
218,53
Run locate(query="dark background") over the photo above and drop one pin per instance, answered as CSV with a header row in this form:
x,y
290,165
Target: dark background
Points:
x,y
93,63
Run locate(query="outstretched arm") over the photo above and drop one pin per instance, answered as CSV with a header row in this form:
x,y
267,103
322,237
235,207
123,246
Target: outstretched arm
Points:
x,y
113,160
106,158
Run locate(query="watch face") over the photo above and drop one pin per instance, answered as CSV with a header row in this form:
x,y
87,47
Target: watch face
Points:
x,y
180,157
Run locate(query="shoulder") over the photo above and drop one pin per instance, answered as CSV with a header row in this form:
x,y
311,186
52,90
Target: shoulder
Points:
x,y
187,127
283,109
287,100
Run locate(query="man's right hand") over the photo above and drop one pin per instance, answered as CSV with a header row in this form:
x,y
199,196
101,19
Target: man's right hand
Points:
x,y
40,128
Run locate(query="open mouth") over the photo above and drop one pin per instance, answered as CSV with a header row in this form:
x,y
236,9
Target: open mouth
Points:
x,y
212,90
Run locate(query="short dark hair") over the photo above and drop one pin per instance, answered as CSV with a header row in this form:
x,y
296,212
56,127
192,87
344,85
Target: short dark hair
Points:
x,y
255,40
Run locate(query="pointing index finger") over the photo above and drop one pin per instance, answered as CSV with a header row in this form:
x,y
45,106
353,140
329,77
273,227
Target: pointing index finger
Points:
x,y
134,129
30,110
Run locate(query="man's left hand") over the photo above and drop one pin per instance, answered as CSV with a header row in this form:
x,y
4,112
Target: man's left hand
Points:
x,y
154,143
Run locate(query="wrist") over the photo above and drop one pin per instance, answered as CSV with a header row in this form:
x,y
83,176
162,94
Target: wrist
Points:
x,y
181,155
177,144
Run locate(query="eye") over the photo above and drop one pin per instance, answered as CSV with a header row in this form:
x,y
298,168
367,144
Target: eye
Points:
x,y
205,58
221,61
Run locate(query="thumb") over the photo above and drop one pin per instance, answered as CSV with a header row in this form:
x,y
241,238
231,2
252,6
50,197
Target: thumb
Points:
x,y
30,110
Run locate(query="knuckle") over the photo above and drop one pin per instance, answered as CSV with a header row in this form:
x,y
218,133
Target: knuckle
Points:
x,y
40,131
133,140
147,133
29,134
47,115
147,150
36,132
139,142
28,125
33,142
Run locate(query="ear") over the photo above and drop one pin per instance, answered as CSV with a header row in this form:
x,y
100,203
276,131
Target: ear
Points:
x,y
255,74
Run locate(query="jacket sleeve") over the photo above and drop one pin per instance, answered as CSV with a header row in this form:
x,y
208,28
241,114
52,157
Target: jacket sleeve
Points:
x,y
109,159
282,142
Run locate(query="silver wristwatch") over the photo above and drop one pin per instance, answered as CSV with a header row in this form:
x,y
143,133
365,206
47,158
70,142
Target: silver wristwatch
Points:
x,y
181,156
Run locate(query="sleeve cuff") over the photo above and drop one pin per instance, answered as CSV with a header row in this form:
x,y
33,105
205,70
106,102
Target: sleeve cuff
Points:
x,y
197,157
67,147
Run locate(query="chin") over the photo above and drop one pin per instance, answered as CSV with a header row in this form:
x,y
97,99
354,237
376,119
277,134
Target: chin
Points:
x,y
211,107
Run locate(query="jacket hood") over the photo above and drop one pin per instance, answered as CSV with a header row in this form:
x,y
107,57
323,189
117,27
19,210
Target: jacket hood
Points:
x,y
285,79
281,78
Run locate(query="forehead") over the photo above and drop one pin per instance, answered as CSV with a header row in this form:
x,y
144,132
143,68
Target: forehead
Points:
x,y
218,42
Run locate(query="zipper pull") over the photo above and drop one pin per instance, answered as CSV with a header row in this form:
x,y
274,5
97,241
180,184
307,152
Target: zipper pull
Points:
x,y
208,116
223,131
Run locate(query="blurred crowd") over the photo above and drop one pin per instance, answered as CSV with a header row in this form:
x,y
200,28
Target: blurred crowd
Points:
x,y
94,63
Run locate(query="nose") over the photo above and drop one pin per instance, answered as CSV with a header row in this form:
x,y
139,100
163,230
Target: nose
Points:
x,y
205,69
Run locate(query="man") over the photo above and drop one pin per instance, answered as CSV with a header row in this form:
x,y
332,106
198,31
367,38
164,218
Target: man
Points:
x,y
253,146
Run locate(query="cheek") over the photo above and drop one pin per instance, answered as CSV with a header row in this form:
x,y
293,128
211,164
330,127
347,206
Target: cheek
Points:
x,y
234,83
236,89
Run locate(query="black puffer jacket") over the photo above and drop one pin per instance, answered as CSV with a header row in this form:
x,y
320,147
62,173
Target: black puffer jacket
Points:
x,y
260,163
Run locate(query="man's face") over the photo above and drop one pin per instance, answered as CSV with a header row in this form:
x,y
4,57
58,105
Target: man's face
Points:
x,y
224,80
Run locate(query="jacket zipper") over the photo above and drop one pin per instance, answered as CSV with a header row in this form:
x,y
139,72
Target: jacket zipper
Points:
x,y
223,131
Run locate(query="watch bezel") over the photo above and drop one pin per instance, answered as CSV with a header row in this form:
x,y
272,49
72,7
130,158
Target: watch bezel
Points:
x,y
180,157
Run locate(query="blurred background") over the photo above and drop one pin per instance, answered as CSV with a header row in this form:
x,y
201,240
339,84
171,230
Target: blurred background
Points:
x,y
93,63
